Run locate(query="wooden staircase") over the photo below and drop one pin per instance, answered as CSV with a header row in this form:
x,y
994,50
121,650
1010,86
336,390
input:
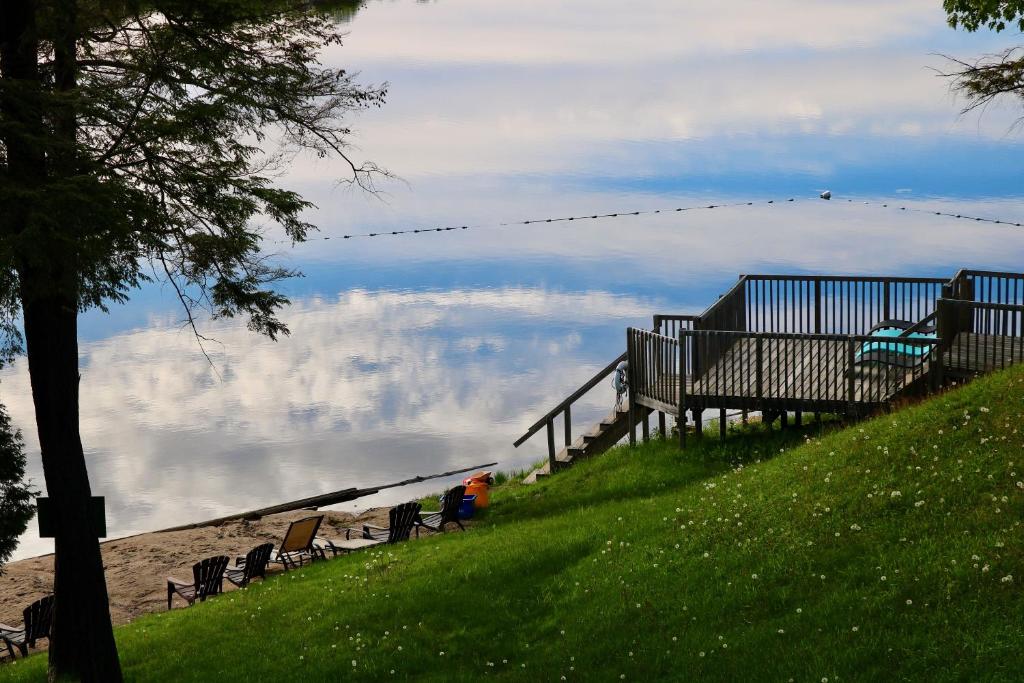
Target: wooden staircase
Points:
x,y
599,438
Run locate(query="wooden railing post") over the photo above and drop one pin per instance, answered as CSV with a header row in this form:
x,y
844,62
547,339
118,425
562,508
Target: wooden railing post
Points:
x,y
681,379
551,446
886,306
759,371
851,358
568,428
631,384
817,306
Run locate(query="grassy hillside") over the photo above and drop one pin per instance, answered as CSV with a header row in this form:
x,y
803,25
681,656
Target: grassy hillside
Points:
x,y
887,551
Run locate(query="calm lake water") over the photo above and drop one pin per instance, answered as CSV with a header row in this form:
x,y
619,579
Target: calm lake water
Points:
x,y
423,353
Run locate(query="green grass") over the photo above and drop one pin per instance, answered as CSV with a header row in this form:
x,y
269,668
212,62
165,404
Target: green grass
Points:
x,y
884,551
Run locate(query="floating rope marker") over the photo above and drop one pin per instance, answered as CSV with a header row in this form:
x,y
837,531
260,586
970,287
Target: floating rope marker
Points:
x,y
825,195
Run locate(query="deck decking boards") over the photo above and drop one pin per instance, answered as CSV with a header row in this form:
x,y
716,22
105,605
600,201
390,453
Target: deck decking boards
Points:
x,y
795,371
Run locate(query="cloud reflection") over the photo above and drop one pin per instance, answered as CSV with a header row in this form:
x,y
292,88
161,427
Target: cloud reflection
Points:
x,y
371,387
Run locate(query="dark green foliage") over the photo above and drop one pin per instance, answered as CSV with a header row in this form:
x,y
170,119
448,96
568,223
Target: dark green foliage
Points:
x,y
184,112
16,507
993,14
992,76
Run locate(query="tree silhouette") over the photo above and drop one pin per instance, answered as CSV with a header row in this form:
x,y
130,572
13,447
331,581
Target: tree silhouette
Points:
x,y
140,141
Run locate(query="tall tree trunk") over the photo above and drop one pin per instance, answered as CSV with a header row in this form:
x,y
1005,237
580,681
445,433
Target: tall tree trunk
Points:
x,y
82,641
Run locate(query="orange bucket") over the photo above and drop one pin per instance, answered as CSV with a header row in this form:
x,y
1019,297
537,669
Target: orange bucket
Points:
x,y
479,489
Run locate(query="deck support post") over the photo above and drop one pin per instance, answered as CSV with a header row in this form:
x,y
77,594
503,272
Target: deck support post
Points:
x,y
798,419
681,426
645,428
721,423
745,417
784,419
698,423
661,425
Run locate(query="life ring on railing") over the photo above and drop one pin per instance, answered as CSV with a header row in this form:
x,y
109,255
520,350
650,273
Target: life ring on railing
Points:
x,y
620,381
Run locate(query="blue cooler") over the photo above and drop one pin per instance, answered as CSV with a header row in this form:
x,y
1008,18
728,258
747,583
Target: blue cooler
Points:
x,y
466,509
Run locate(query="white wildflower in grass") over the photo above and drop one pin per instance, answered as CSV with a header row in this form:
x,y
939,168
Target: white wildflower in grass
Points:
x,y
895,494
910,602
1007,579
855,629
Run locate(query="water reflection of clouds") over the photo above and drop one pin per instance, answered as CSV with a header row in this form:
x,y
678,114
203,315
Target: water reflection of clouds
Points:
x,y
370,387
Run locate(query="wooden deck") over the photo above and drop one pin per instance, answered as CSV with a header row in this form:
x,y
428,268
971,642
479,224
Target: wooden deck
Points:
x,y
791,343
793,372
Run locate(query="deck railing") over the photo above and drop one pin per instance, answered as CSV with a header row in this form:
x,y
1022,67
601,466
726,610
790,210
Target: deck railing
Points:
x,y
787,371
820,304
654,369
985,286
980,337
671,325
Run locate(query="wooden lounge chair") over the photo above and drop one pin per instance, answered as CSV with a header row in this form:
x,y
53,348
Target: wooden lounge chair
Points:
x,y
450,503
402,518
38,616
299,544
207,580
253,565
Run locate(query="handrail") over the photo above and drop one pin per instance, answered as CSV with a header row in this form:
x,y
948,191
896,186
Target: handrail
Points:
x,y
722,300
851,278
660,317
812,336
572,398
918,326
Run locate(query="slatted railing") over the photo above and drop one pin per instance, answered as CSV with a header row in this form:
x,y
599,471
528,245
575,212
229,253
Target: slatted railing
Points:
x,y
786,371
826,304
980,337
654,369
985,286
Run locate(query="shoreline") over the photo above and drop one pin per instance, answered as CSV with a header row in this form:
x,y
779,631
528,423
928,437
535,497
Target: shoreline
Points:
x,y
137,566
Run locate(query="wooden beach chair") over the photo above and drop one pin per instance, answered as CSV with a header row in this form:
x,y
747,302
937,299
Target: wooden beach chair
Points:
x,y
253,565
402,518
207,580
450,503
299,544
37,617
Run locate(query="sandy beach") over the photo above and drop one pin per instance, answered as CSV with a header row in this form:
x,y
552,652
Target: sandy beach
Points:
x,y
137,567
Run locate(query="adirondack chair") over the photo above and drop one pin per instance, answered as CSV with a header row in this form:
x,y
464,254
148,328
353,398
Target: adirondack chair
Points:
x,y
38,617
299,544
402,519
449,512
253,565
207,580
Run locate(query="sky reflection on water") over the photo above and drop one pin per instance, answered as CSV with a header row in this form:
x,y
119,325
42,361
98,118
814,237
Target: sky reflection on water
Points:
x,y
423,353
